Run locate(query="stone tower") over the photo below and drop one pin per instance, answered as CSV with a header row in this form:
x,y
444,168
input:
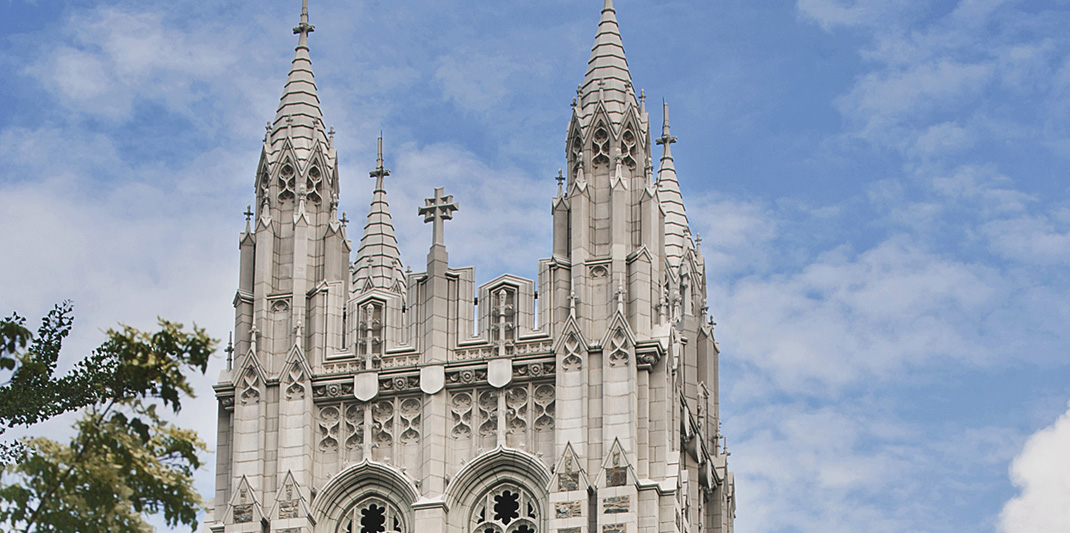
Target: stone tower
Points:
x,y
366,398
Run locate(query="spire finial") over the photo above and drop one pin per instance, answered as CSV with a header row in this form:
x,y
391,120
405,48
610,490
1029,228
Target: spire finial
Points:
x,y
608,6
380,171
304,28
230,351
560,182
666,135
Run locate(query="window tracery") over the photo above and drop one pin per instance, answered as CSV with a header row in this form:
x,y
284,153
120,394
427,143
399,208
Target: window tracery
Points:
x,y
600,147
313,184
628,148
287,182
507,508
372,515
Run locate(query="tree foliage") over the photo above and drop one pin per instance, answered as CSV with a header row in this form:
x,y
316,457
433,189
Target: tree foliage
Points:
x,y
124,460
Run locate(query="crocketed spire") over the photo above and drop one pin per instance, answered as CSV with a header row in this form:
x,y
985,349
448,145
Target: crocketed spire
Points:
x,y
677,229
299,116
378,259
607,79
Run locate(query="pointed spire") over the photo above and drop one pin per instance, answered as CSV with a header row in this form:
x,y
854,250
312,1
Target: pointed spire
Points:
x,y
677,229
299,117
378,258
608,79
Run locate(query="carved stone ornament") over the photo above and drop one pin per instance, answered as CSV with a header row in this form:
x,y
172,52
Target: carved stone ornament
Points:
x,y
432,378
499,372
366,385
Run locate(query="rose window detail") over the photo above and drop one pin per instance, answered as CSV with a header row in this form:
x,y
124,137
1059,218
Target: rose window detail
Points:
x,y
372,515
506,509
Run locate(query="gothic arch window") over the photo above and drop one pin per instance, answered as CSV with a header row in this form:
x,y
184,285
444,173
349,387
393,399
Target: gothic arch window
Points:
x,y
600,146
372,515
287,182
628,148
507,508
314,183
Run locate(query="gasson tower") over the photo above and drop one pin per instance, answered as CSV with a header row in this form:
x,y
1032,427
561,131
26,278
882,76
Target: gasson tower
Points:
x,y
363,397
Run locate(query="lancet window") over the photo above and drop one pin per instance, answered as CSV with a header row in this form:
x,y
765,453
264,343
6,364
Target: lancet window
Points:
x,y
507,508
373,515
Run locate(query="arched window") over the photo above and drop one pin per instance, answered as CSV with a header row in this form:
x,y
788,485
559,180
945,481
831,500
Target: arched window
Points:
x,y
507,508
372,515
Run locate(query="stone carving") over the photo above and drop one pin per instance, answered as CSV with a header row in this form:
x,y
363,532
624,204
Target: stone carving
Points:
x,y
399,383
516,403
618,349
332,390
354,416
614,528
572,360
327,422
383,423
409,423
250,385
294,383
543,409
488,413
461,411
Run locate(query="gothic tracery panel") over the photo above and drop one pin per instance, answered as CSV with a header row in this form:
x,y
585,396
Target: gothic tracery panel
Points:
x,y
507,508
373,515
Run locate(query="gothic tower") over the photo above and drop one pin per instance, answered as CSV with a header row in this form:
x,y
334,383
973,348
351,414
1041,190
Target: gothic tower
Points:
x,y
364,397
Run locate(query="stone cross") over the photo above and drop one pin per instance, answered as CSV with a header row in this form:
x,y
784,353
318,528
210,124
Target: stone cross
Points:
x,y
248,212
437,210
560,181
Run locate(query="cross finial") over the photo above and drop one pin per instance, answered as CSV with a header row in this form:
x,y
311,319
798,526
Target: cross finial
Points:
x,y
437,210
331,134
620,295
304,28
344,220
248,213
601,89
380,172
666,136
560,182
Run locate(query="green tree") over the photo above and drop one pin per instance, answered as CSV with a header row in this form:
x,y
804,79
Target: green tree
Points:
x,y
124,460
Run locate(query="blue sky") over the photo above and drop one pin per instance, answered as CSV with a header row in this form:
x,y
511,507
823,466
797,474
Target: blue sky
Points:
x,y
881,188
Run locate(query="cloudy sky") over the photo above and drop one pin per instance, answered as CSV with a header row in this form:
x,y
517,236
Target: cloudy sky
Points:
x,y
881,188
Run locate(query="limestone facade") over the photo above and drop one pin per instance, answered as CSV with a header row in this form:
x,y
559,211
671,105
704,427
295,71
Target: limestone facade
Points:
x,y
364,397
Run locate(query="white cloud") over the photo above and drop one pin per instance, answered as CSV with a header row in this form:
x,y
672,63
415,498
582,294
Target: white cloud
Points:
x,y
850,317
115,59
1042,474
832,13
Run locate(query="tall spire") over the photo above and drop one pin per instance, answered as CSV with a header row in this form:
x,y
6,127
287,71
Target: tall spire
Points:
x,y
677,229
378,259
299,117
608,79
